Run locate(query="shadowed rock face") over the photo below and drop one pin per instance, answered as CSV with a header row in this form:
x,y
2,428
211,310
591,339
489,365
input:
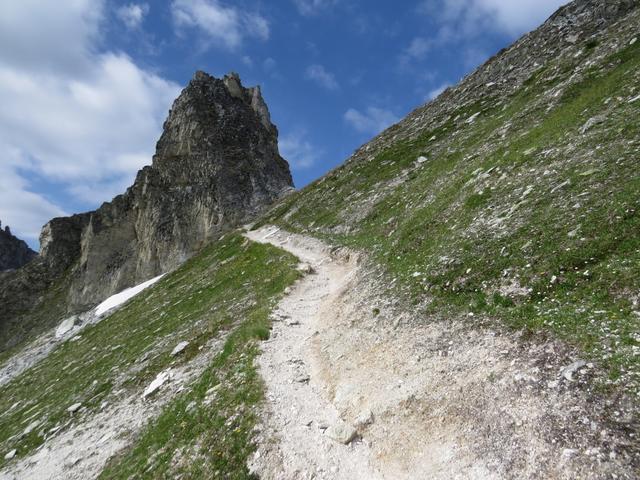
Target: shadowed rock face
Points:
x,y
14,253
216,165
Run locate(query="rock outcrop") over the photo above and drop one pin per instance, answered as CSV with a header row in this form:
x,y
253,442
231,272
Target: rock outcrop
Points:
x,y
216,165
14,253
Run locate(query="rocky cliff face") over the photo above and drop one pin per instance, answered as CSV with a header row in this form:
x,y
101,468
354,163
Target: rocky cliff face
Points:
x,y
14,253
216,165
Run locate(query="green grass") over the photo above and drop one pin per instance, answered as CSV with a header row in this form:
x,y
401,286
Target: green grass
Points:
x,y
230,287
488,222
200,435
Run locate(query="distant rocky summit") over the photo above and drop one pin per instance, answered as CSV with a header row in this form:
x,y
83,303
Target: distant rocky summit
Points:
x,y
14,253
216,165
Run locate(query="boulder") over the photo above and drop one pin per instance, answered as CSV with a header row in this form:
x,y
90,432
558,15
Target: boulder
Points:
x,y
179,348
341,433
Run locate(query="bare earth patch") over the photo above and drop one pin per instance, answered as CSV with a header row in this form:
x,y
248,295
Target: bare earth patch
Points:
x,y
359,388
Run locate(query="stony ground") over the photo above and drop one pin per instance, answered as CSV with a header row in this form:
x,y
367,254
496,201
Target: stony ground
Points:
x,y
358,387
81,451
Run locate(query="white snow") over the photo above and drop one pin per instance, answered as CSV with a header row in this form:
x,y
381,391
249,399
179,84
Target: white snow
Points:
x,y
119,298
635,99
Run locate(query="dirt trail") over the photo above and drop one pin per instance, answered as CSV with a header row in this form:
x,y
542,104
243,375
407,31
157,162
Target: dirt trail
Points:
x,y
429,398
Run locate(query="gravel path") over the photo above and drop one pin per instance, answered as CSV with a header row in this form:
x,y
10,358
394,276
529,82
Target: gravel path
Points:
x,y
360,388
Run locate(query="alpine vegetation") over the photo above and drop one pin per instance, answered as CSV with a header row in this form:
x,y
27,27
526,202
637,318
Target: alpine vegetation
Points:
x,y
459,299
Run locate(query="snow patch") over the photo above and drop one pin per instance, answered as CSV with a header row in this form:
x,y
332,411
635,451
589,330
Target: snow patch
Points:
x,y
119,298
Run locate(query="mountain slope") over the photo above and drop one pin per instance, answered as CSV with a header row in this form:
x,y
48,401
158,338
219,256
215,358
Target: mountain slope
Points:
x,y
514,195
489,324
218,301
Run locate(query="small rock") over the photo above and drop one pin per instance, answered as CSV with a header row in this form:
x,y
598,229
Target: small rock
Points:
x,y
421,160
154,386
592,122
287,290
572,39
10,454
591,171
341,433
568,371
633,40
31,427
365,418
472,118
66,326
302,378
179,348
191,407
54,429
305,268
573,233
74,408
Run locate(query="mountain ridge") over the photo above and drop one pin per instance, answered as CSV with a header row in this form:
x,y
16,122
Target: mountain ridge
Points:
x,y
14,252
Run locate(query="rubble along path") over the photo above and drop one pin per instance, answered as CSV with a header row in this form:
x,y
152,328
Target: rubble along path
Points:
x,y
357,388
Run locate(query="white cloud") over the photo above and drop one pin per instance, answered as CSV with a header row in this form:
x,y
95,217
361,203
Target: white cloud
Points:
x,y
476,16
416,51
313,7
419,47
47,35
322,77
23,210
220,25
297,150
247,61
133,14
437,91
86,122
372,121
269,65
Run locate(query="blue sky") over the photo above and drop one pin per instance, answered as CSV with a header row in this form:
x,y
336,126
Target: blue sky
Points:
x,y
86,84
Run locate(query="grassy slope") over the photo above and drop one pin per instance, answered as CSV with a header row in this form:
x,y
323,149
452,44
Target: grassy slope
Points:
x,y
516,215
225,288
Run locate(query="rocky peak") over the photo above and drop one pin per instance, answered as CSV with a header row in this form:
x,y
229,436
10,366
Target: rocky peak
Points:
x,y
216,165
14,253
